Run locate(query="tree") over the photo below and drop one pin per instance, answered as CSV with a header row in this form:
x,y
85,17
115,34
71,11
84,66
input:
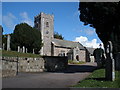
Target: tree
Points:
x,y
25,35
58,36
104,17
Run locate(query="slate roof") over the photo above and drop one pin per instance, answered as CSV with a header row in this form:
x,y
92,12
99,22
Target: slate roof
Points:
x,y
67,44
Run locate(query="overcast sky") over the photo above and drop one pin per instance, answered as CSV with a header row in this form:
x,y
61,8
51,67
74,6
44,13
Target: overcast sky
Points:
x,y
66,19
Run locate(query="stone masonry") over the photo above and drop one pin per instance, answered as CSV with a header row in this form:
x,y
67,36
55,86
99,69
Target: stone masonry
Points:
x,y
45,23
55,47
9,64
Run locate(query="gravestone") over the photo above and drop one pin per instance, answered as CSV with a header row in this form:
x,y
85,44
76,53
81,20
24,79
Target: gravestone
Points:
x,y
110,64
18,48
3,47
99,57
26,50
117,61
8,42
33,51
23,49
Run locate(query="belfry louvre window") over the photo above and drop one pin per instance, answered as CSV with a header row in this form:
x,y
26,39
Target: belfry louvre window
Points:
x,y
47,24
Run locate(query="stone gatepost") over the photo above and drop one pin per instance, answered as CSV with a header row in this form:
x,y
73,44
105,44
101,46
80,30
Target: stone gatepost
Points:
x,y
110,64
8,43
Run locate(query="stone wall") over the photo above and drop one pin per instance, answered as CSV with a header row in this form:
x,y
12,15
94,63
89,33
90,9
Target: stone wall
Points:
x,y
82,55
55,63
31,65
45,23
57,51
10,67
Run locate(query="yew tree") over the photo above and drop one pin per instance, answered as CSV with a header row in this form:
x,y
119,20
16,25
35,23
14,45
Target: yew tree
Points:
x,y
25,35
105,18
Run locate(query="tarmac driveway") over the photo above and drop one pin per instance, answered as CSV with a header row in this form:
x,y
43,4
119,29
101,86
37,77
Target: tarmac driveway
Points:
x,y
71,76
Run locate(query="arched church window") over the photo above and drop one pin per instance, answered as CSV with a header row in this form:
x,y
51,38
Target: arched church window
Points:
x,y
47,24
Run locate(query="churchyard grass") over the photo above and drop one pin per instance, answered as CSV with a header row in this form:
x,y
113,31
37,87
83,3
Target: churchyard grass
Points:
x,y
97,79
15,54
73,62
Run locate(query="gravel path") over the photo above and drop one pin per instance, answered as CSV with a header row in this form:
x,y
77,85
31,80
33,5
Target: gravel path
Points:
x,y
71,76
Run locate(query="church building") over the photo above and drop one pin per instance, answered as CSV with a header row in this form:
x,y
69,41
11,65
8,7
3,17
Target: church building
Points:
x,y
56,47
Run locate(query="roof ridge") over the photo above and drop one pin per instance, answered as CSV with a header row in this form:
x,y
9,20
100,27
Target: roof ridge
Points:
x,y
66,43
66,40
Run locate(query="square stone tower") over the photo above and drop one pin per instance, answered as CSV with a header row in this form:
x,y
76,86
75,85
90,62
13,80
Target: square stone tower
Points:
x,y
45,23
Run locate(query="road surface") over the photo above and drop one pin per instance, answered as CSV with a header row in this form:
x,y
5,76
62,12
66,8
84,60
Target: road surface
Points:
x,y
71,76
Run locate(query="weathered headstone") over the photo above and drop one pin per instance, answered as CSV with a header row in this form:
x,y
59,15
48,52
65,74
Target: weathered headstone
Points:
x,y
23,49
33,51
8,42
18,48
117,61
110,64
3,47
99,56
26,50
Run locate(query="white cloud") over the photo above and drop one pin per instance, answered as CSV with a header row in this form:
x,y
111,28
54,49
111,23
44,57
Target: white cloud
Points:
x,y
89,31
8,20
26,19
85,42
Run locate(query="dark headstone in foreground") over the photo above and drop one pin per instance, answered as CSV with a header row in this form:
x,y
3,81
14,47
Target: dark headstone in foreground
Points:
x,y
117,62
110,65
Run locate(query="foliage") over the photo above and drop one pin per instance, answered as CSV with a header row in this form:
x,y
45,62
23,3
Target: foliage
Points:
x,y
58,36
104,17
15,54
25,35
97,79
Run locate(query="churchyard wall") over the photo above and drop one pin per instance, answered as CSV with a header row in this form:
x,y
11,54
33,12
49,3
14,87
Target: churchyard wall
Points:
x,y
55,63
10,66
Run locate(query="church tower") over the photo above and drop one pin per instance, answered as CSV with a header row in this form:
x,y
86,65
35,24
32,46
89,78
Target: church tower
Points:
x,y
45,23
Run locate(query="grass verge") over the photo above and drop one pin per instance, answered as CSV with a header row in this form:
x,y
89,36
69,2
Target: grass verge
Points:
x,y
73,62
97,79
15,54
